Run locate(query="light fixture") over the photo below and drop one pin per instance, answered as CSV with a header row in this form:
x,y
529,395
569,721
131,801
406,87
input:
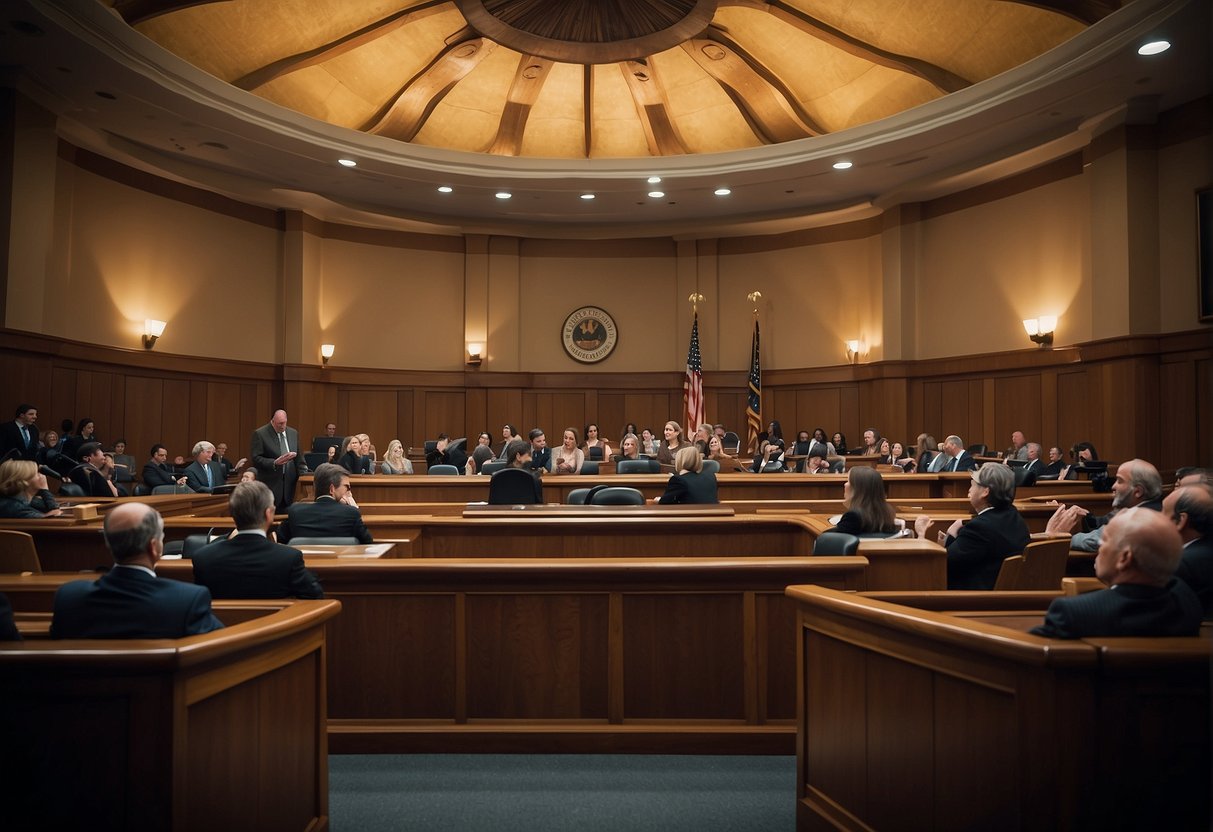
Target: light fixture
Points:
x,y
1154,47
503,194
347,163
445,189
722,191
656,194
326,352
653,180
856,349
152,329
587,196
474,351
1040,330
843,165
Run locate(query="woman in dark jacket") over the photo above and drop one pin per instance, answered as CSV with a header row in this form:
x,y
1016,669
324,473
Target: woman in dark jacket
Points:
x,y
691,484
868,512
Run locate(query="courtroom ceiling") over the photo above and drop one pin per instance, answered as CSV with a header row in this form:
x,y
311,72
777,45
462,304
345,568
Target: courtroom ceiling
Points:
x,y
606,78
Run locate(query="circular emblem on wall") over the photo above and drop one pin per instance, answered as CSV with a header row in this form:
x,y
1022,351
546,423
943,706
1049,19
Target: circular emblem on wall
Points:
x,y
589,334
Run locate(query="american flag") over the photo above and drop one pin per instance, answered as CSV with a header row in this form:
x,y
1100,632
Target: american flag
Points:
x,y
753,408
692,387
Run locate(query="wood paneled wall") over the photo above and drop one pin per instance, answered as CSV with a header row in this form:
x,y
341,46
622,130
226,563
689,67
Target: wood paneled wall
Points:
x,y
1143,396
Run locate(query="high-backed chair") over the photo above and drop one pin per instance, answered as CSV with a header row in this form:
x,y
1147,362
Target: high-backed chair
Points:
x,y
614,495
323,541
638,466
978,450
492,466
711,466
194,542
314,459
442,469
835,543
1041,566
512,487
577,496
70,489
589,467
171,489
731,443
18,553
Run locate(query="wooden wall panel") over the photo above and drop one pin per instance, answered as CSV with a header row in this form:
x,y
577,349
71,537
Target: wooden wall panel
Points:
x,y
726,407
1179,386
818,409
174,418
373,412
1204,411
444,412
1073,411
222,416
504,407
1016,406
143,418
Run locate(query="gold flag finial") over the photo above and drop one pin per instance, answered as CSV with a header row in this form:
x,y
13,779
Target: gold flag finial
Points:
x,y
695,298
754,298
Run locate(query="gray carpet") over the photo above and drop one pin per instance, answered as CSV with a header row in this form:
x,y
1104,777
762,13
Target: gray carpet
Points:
x,y
471,792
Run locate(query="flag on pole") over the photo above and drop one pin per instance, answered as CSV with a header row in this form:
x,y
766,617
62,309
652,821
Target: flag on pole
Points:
x,y
753,409
692,386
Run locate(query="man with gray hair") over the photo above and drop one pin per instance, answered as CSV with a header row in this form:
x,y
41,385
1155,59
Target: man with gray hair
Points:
x,y
249,564
131,601
977,548
1138,553
1137,484
204,474
1190,508
954,457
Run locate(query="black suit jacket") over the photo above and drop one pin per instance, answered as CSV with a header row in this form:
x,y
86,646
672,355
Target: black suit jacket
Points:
x,y
129,603
1124,610
324,518
154,475
195,476
252,566
691,487
267,447
11,439
16,508
1196,570
963,462
976,553
91,480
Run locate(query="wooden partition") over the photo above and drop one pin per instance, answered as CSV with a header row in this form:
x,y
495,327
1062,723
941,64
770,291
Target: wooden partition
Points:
x,y
962,720
219,731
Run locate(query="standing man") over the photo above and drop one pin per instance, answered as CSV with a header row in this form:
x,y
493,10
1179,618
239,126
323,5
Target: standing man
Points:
x,y
21,435
275,455
1019,446
204,474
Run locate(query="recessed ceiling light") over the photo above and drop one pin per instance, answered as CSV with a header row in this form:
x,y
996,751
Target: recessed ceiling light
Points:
x,y
1154,47
722,191
445,189
841,165
503,194
587,196
347,163
657,194
653,180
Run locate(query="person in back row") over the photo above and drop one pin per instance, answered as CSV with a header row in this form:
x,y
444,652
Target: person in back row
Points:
x,y
333,514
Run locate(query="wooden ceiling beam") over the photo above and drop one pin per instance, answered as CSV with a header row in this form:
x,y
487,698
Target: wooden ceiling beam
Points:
x,y
137,11
587,107
529,78
336,48
1084,11
650,100
942,79
403,116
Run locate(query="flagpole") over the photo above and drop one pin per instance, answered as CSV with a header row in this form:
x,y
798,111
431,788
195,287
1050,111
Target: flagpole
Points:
x,y
692,387
753,411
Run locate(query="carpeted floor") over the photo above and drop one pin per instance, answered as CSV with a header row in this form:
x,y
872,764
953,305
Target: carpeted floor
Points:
x,y
471,792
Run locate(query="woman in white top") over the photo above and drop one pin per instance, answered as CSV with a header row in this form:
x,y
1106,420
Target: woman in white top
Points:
x,y
394,461
568,458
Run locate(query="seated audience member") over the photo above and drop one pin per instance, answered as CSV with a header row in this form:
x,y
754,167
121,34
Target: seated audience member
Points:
x,y
85,432
840,444
367,461
248,475
349,456
871,442
1035,466
20,484
926,450
728,464
1190,508
1190,475
541,454
1053,470
204,475
21,434
902,458
248,564
1137,558
333,514
649,444
1084,452
818,465
124,463
130,601
673,442
518,455
156,471
955,457
93,474
8,627
482,453
48,448
691,484
568,458
977,547
226,464
868,512
700,440
771,452
629,448
595,448
884,452
1137,483
631,428
800,448
444,454
508,434
394,460
1019,446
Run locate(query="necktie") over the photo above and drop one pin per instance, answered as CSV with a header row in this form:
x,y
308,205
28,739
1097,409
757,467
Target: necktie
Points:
x,y
209,484
282,438
955,463
25,434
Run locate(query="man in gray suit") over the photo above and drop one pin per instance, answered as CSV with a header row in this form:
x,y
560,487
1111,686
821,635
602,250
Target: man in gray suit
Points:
x,y
275,455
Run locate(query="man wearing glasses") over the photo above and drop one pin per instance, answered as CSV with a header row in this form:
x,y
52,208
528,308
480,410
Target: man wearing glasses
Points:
x,y
333,514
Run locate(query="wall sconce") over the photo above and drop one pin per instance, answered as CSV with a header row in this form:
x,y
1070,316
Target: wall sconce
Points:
x,y
326,352
1040,330
856,350
152,329
474,351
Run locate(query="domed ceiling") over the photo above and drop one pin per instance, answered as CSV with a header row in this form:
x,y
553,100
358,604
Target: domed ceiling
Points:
x,y
601,79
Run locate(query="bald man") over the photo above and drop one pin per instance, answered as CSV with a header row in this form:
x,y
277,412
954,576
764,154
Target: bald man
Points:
x,y
275,456
1138,554
1190,508
131,601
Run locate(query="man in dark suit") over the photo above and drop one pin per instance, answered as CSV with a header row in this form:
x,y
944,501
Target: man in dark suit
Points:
x,y
92,474
204,474
1190,508
157,471
130,601
228,466
977,548
249,564
541,454
20,435
1137,483
1052,471
275,455
334,514
956,458
1035,466
1138,554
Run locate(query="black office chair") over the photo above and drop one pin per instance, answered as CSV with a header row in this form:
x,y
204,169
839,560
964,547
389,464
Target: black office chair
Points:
x,y
614,495
323,541
171,489
577,496
492,466
70,489
1024,477
836,543
711,466
314,459
194,542
442,469
588,467
512,487
731,443
638,466
978,450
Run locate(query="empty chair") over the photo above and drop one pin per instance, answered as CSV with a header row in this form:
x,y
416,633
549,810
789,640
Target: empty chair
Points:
x,y
323,541
18,553
1023,476
614,495
835,543
443,469
492,466
577,496
1008,574
711,466
731,443
514,487
1041,566
638,466
194,542
315,459
978,450
70,489
588,467
171,489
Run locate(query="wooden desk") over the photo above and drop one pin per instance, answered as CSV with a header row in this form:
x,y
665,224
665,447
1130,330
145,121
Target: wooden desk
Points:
x,y
219,731
965,721
481,510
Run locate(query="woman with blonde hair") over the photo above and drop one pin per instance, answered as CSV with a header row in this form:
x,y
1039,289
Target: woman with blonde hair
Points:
x,y
629,448
691,484
728,463
22,489
394,460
